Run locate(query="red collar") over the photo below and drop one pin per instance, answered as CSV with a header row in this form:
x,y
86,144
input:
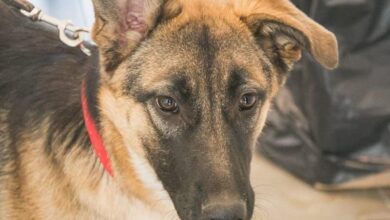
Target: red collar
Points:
x,y
94,135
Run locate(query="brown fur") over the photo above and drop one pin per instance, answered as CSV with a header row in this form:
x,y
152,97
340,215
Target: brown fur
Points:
x,y
262,37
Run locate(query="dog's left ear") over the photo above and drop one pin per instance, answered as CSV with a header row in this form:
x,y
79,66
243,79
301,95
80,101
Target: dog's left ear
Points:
x,y
120,25
283,31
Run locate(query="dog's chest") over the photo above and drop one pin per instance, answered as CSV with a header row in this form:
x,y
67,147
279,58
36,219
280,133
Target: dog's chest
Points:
x,y
109,203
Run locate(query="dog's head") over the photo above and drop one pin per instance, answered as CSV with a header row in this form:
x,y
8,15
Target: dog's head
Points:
x,y
185,90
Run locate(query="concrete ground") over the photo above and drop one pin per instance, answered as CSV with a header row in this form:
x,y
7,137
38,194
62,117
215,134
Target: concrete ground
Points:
x,y
280,196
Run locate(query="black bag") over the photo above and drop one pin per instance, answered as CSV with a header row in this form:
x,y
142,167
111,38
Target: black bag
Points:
x,y
332,128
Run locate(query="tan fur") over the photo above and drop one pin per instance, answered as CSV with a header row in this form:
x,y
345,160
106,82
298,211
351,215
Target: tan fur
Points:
x,y
124,134
105,31
323,44
79,187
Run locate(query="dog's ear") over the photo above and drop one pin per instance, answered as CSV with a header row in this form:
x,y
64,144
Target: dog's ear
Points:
x,y
120,26
283,31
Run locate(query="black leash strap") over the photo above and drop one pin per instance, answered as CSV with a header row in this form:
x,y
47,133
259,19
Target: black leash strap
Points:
x,y
20,4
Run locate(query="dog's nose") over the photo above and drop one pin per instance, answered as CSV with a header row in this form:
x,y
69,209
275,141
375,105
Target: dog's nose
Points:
x,y
225,211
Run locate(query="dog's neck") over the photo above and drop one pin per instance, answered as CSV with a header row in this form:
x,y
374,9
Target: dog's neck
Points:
x,y
123,187
93,132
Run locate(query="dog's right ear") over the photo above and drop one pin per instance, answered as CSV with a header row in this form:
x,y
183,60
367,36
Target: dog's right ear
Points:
x,y
283,31
120,25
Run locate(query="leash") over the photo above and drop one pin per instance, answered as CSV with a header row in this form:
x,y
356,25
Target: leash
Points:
x,y
69,34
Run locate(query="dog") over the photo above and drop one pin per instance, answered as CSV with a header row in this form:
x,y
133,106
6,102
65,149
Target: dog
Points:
x,y
160,122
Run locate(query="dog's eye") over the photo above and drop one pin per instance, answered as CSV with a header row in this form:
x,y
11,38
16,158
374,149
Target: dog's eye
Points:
x,y
167,104
247,101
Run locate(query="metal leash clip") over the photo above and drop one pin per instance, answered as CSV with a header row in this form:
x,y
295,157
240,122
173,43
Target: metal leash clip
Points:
x,y
69,34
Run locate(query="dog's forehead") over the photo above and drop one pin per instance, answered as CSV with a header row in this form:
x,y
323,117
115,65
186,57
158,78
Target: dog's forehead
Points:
x,y
201,50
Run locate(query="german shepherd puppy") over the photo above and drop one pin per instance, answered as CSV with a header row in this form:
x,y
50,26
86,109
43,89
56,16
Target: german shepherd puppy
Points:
x,y
160,122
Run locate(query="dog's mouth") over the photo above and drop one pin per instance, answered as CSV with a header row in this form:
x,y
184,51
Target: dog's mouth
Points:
x,y
216,208
205,194
201,185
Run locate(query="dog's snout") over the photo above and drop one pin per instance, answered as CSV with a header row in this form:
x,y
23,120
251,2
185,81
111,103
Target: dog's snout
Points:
x,y
225,211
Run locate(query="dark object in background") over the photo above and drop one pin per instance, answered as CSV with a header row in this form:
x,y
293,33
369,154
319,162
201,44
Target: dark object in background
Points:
x,y
332,128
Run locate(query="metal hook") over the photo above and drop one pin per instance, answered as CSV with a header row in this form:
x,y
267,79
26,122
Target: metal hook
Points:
x,y
68,33
72,41
33,14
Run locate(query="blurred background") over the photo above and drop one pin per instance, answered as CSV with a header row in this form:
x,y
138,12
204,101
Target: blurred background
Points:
x,y
325,152
80,12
